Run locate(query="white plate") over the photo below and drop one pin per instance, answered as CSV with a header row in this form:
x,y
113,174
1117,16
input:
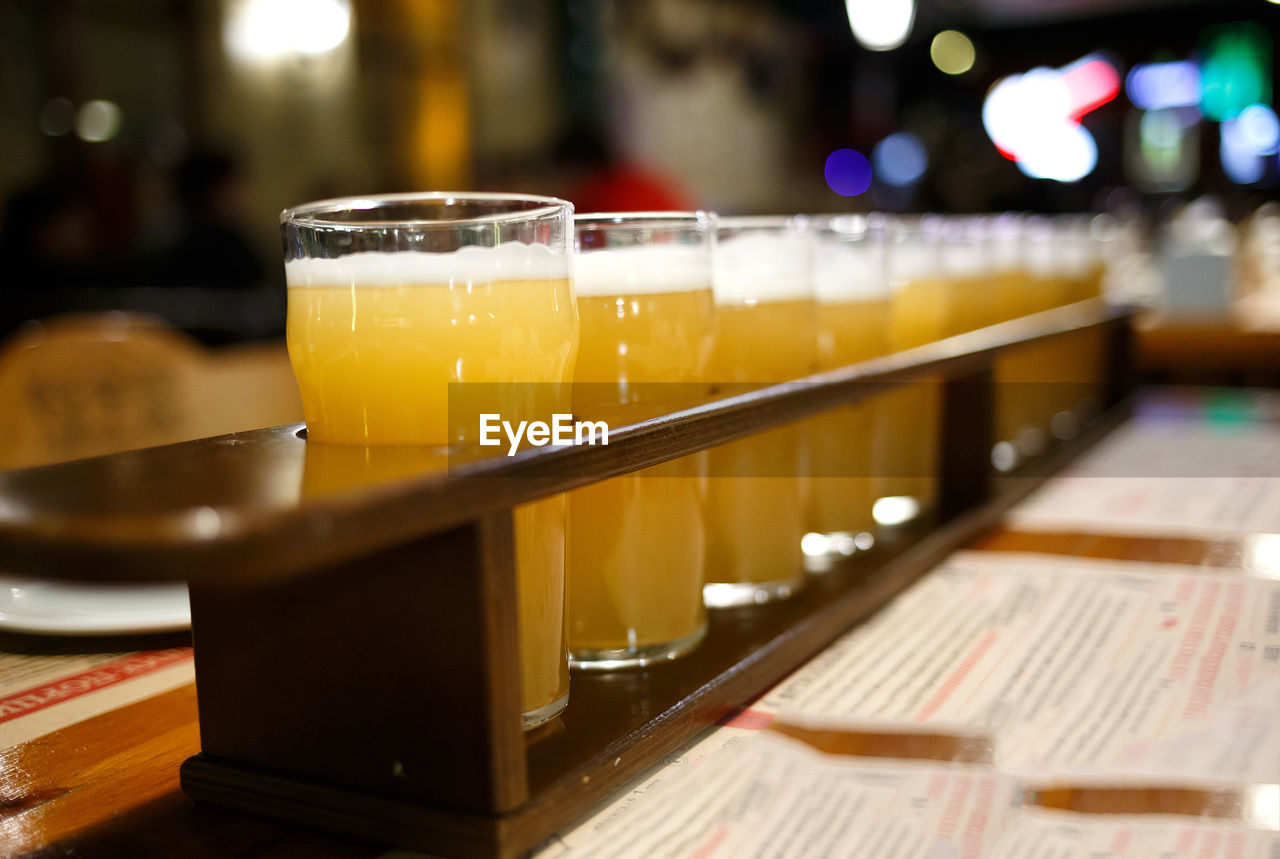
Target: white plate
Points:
x,y
50,607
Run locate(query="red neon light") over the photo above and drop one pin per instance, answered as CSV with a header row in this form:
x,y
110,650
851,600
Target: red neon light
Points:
x,y
1091,83
1005,152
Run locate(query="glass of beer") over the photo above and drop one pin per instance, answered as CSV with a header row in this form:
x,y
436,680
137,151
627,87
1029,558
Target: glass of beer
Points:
x,y
919,315
851,287
637,542
1078,355
1039,362
396,299
968,269
766,333
1013,297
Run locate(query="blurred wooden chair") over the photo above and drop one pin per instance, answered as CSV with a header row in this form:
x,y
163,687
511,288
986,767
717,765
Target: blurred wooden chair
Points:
x,y
78,386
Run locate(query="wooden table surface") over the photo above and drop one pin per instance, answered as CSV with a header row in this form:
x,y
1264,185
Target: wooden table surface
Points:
x,y
1242,349
108,786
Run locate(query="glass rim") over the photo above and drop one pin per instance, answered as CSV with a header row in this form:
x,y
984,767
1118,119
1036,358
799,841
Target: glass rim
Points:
x,y
852,224
625,219
311,214
757,222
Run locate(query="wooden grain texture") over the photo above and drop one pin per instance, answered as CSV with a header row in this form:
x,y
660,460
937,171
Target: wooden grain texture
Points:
x,y
618,725
108,786
230,510
83,775
1208,351
398,676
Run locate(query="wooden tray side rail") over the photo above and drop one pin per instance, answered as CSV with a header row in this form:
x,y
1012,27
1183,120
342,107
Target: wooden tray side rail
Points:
x,y
356,655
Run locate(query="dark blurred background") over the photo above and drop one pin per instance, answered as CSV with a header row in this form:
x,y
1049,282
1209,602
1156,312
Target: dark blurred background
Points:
x,y
149,145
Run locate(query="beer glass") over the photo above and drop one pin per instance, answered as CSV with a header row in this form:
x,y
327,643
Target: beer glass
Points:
x,y
637,542
919,314
766,332
1077,356
1038,363
394,300
972,300
1013,297
851,287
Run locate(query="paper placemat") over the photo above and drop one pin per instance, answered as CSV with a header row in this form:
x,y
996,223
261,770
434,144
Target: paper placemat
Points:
x,y
1179,475
1075,668
49,683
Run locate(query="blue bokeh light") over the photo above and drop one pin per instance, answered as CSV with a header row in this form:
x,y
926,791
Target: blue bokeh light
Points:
x,y
848,172
900,159
1260,128
1155,85
1240,159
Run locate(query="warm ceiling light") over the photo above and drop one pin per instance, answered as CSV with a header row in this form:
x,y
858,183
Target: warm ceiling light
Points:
x,y
881,25
263,30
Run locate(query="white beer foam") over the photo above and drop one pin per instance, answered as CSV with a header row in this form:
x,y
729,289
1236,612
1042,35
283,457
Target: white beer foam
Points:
x,y
1077,252
1040,257
849,272
754,268
642,270
471,264
1006,254
966,259
914,259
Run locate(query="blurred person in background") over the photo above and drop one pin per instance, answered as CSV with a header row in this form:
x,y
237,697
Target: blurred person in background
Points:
x,y
597,179
208,247
48,244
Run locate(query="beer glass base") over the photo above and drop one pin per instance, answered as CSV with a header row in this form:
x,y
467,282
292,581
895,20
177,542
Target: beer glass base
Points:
x,y
542,715
823,551
893,510
1032,441
735,594
1005,456
614,659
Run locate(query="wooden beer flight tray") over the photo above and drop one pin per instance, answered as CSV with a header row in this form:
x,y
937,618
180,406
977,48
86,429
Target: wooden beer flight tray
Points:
x,y
356,652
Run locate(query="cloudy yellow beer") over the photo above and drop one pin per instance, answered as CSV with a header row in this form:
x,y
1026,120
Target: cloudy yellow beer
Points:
x,y
919,314
843,440
376,339
851,287
1014,297
755,518
1074,357
637,542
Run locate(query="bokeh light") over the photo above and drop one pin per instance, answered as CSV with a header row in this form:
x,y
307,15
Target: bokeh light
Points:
x,y
1091,82
261,30
1240,162
1246,140
1236,71
1033,118
899,160
1165,156
1160,129
98,120
881,25
1064,152
1260,128
1152,86
952,52
848,172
